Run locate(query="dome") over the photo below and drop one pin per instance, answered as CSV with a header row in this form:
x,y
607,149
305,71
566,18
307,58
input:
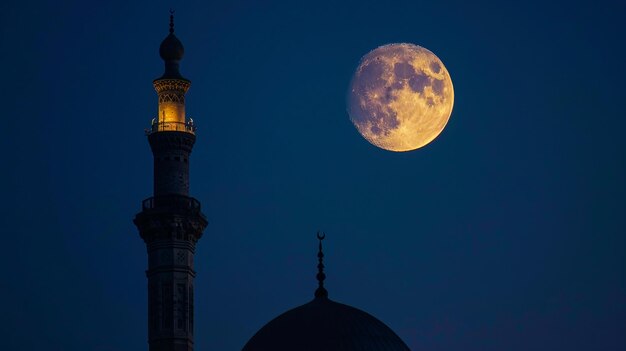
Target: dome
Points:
x,y
325,325
171,51
171,48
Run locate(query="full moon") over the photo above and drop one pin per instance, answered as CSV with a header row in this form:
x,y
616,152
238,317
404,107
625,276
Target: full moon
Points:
x,y
400,97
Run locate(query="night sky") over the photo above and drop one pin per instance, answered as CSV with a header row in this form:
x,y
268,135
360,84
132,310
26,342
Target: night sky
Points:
x,y
508,232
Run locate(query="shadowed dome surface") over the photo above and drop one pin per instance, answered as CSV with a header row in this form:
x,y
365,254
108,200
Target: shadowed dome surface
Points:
x,y
171,48
171,51
325,325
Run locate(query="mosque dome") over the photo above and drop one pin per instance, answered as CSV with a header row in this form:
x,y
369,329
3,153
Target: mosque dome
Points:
x,y
325,325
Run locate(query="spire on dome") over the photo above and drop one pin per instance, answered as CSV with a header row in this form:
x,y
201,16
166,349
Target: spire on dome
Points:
x,y
321,291
171,51
172,21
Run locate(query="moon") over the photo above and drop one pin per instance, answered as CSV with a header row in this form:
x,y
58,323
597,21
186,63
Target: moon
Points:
x,y
400,97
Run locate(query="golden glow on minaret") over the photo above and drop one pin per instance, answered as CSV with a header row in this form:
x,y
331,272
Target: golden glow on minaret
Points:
x,y
171,88
172,106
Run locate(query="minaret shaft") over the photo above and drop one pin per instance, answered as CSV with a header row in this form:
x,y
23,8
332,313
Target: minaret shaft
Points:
x,y
170,295
171,226
171,152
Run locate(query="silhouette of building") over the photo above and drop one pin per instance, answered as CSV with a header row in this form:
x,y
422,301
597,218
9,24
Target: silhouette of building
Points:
x,y
323,324
171,223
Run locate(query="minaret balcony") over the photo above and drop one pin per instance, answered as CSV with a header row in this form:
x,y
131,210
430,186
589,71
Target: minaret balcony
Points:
x,y
171,126
170,201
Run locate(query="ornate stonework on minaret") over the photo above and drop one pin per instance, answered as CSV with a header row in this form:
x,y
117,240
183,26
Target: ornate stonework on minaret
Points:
x,y
171,222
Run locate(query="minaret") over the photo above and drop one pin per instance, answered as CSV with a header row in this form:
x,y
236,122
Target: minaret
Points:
x,y
171,222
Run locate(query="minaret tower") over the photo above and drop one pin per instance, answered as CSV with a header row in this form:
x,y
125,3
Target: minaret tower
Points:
x,y
171,222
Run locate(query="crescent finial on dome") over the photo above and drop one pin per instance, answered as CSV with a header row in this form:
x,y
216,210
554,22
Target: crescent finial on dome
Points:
x,y
320,292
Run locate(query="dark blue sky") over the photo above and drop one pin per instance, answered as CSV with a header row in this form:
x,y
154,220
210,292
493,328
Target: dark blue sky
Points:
x,y
508,232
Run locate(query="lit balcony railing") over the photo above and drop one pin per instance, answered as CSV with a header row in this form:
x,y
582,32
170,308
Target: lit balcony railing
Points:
x,y
160,126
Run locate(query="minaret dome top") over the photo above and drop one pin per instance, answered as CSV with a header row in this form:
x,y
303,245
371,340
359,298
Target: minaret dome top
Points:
x,y
171,51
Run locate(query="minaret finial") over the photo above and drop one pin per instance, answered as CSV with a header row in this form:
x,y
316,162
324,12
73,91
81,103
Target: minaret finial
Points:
x,y
321,291
172,21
